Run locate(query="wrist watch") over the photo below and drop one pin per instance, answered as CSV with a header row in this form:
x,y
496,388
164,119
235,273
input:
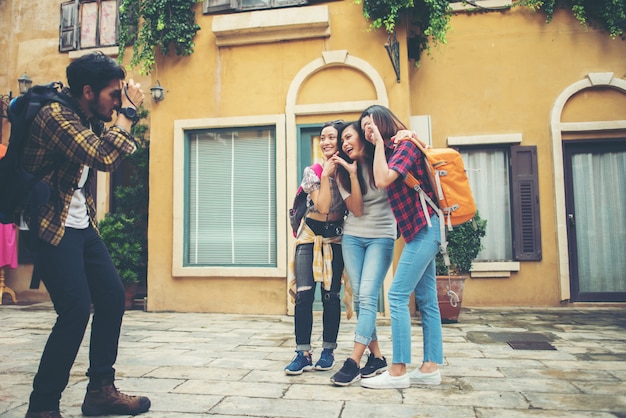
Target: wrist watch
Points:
x,y
129,112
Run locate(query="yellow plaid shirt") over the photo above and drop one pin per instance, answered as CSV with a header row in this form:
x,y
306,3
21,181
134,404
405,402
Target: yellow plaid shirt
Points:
x,y
65,141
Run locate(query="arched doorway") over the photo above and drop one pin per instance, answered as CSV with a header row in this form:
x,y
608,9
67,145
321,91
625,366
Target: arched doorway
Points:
x,y
589,159
300,132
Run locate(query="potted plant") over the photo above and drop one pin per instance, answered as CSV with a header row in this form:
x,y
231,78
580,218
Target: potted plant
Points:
x,y
125,230
464,244
125,245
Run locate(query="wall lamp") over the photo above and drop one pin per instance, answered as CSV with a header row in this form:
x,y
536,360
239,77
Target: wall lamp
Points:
x,y
158,92
24,83
393,50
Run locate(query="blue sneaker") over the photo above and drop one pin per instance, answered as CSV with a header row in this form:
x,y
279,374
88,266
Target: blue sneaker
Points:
x,y
299,364
374,366
326,361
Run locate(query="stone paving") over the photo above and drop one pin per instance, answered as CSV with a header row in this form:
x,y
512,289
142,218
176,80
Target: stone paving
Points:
x,y
196,365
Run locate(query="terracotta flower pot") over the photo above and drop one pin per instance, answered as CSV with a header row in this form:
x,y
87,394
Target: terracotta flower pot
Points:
x,y
450,296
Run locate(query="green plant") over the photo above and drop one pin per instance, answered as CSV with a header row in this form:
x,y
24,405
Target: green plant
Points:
x,y
608,15
125,231
464,244
161,24
124,245
428,21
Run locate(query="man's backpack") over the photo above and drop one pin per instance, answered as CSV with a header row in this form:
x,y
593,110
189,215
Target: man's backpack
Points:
x,y
455,202
21,191
299,208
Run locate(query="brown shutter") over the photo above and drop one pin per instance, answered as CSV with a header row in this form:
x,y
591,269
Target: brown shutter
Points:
x,y
68,35
525,199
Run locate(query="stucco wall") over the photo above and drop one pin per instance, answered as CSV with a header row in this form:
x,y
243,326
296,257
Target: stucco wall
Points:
x,y
501,72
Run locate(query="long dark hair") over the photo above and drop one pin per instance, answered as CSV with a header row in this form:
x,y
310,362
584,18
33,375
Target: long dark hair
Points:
x,y
343,177
388,123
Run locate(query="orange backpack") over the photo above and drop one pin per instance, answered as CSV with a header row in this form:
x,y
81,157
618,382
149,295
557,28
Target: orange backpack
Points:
x,y
446,173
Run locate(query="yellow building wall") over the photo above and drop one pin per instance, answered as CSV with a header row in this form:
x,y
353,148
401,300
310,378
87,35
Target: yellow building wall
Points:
x,y
501,73
247,80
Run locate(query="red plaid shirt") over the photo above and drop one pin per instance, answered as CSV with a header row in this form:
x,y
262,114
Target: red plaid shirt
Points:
x,y
405,202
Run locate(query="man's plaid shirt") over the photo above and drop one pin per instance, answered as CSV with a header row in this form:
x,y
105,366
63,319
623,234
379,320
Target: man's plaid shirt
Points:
x,y
405,203
64,141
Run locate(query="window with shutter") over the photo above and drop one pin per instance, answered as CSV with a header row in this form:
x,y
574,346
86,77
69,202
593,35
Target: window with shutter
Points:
x,y
525,197
504,182
68,37
88,24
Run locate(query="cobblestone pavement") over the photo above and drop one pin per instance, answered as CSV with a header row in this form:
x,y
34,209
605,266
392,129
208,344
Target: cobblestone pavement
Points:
x,y
499,362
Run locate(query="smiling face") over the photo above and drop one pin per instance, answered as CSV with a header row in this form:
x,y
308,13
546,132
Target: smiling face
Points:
x,y
328,141
352,144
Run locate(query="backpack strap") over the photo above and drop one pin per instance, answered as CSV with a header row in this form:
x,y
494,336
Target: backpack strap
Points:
x,y
414,184
317,169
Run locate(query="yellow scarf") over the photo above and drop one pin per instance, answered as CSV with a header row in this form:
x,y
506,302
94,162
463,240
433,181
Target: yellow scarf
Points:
x,y
322,265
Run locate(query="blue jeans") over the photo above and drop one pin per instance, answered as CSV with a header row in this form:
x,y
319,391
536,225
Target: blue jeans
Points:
x,y
367,261
416,271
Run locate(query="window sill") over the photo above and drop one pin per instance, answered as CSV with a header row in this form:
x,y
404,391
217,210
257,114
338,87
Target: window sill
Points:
x,y
485,5
110,51
271,26
493,269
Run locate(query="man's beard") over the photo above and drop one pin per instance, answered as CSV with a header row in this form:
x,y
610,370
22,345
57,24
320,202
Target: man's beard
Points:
x,y
94,110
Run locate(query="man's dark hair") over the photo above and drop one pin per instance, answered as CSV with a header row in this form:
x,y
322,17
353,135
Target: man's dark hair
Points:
x,y
96,70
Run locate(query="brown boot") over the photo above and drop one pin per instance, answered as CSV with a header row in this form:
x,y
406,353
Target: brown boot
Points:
x,y
107,400
44,414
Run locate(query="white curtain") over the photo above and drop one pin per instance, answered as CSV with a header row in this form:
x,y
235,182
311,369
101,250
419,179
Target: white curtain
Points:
x,y
231,198
488,172
600,204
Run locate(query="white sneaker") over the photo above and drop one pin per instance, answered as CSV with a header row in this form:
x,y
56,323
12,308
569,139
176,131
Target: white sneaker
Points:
x,y
419,378
386,381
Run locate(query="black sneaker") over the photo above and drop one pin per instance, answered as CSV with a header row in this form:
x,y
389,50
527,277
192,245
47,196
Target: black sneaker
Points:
x,y
374,366
348,374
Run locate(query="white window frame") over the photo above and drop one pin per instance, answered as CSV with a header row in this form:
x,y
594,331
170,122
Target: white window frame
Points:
x,y
472,6
178,267
487,269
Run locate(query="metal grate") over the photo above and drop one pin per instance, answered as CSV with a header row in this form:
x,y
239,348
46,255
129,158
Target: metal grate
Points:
x,y
530,345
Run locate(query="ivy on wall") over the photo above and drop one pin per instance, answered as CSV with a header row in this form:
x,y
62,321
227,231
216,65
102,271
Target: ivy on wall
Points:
x,y
429,20
151,25
608,15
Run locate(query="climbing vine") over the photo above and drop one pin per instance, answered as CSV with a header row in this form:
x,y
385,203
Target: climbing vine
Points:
x,y
429,20
151,25
608,15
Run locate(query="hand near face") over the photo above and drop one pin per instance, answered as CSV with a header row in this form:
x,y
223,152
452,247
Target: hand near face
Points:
x,y
372,134
330,167
350,167
132,94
